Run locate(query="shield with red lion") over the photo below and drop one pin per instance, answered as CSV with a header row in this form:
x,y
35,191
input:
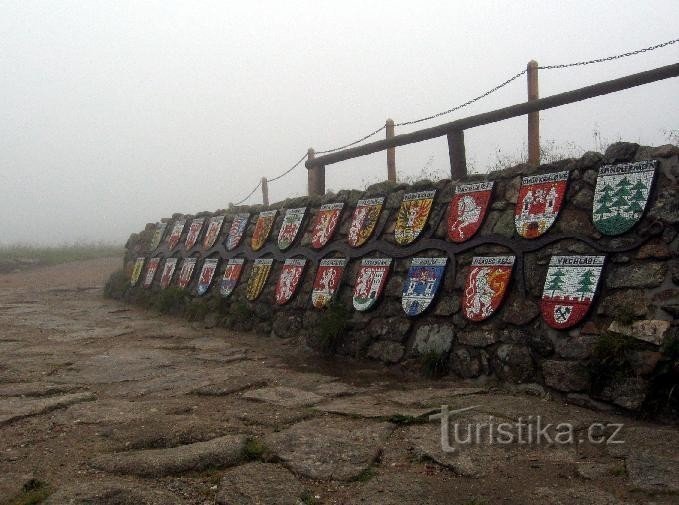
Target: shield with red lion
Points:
x,y
168,272
176,233
539,202
214,226
237,230
194,231
486,286
467,210
325,224
370,281
363,220
327,281
262,229
292,222
412,216
206,275
232,272
186,272
288,280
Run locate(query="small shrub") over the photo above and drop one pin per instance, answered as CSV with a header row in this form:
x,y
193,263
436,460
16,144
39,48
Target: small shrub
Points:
x,y
196,310
610,360
170,300
241,311
116,285
34,491
253,450
307,498
365,475
331,326
434,364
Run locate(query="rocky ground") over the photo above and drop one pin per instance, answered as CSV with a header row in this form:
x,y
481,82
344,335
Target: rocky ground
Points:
x,y
102,403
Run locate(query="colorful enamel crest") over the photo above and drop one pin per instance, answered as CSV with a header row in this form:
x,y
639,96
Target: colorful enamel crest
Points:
x,y
412,216
486,286
263,229
176,233
422,283
186,272
232,272
194,231
214,226
291,274
621,195
206,275
136,270
258,276
158,235
327,281
151,269
292,222
467,210
325,224
539,203
370,281
569,289
168,272
363,220
237,230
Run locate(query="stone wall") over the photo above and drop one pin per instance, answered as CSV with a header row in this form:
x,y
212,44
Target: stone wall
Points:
x,y
621,353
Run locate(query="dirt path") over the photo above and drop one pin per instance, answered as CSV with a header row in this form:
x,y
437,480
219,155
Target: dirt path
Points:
x,y
108,404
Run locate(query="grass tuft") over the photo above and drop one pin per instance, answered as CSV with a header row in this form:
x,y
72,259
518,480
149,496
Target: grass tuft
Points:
x,y
254,450
434,364
33,492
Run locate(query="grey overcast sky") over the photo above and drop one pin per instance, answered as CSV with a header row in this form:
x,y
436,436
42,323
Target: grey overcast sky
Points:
x,y
118,113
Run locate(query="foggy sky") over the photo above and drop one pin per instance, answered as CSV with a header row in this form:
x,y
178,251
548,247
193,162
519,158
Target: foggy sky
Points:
x,y
115,114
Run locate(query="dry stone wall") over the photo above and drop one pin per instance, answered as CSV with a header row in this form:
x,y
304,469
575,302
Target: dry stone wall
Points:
x,y
633,316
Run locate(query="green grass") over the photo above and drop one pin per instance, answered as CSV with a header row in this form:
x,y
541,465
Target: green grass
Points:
x,y
23,256
34,492
253,450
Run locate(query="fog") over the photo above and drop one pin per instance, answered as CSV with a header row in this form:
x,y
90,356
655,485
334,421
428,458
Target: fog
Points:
x,y
115,114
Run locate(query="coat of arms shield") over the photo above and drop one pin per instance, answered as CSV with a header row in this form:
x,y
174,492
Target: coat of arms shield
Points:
x,y
258,276
232,272
422,284
168,272
467,210
237,230
176,233
157,236
486,285
263,229
206,275
412,216
186,272
151,269
621,195
363,220
193,233
214,226
292,222
370,281
136,270
325,224
539,202
327,281
288,280
570,286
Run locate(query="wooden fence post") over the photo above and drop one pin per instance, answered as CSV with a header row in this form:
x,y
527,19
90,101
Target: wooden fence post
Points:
x,y
315,177
265,192
533,117
458,158
391,152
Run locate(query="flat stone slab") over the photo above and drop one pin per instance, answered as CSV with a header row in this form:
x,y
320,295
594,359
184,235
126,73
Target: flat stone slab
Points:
x,y
229,386
111,492
334,389
218,452
259,483
652,473
12,484
570,496
284,396
107,412
370,406
328,449
400,489
430,397
36,389
13,409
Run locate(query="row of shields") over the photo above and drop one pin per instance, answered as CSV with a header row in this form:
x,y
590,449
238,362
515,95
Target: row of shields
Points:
x,y
569,289
620,198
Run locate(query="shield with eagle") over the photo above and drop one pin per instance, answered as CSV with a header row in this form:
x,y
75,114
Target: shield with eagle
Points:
x,y
621,195
467,210
539,202
234,267
292,222
412,216
288,280
325,224
136,270
168,272
258,277
186,272
486,285
157,236
194,231
363,220
570,286
327,281
237,230
422,284
206,275
370,281
214,226
176,233
151,269
262,229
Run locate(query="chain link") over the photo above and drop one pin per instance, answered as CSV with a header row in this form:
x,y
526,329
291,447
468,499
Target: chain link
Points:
x,y
353,143
249,194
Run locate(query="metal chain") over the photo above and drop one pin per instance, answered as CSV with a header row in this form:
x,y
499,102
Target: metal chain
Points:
x,y
249,194
610,58
289,169
353,143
